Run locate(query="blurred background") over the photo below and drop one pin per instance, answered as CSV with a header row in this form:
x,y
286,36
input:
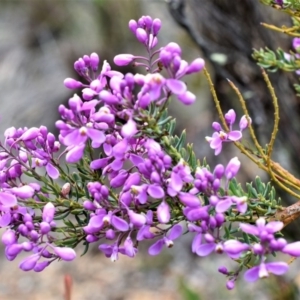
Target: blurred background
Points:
x,y
39,42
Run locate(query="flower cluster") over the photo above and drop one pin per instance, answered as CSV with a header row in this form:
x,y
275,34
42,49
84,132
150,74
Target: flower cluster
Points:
x,y
140,183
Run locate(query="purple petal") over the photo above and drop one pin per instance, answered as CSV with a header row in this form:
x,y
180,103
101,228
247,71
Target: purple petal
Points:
x,y
189,199
75,154
119,223
155,191
274,226
129,129
176,182
242,208
187,98
215,142
196,242
292,249
120,149
234,135
52,171
8,200
163,213
119,180
277,268
175,232
251,275
96,135
30,134
223,205
156,248
74,138
99,163
25,191
218,150
176,86
96,222
250,229
106,249
206,249
5,219
195,214
135,159
155,92
117,164
235,247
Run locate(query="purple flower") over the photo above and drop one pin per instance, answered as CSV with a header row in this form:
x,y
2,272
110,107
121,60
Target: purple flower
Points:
x,y
263,230
128,248
224,205
232,248
220,136
173,234
263,270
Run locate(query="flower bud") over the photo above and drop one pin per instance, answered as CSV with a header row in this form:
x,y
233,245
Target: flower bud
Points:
x,y
123,59
45,227
230,284
129,129
23,192
196,66
39,267
65,190
110,234
72,84
141,35
230,117
244,122
132,26
65,253
29,263
232,168
94,60
156,25
91,238
187,98
9,237
48,212
223,270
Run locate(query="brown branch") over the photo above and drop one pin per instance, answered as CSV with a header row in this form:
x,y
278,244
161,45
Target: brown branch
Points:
x,y
288,214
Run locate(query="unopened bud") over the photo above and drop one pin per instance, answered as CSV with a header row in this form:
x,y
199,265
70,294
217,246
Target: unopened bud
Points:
x,y
65,190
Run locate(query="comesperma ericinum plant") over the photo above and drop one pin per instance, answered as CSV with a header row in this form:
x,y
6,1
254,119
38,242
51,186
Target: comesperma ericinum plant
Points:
x,y
128,178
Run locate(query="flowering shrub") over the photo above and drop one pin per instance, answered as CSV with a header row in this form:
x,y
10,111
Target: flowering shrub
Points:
x,y
128,178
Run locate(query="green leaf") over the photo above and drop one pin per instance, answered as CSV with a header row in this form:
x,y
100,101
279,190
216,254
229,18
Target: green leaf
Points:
x,y
86,248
